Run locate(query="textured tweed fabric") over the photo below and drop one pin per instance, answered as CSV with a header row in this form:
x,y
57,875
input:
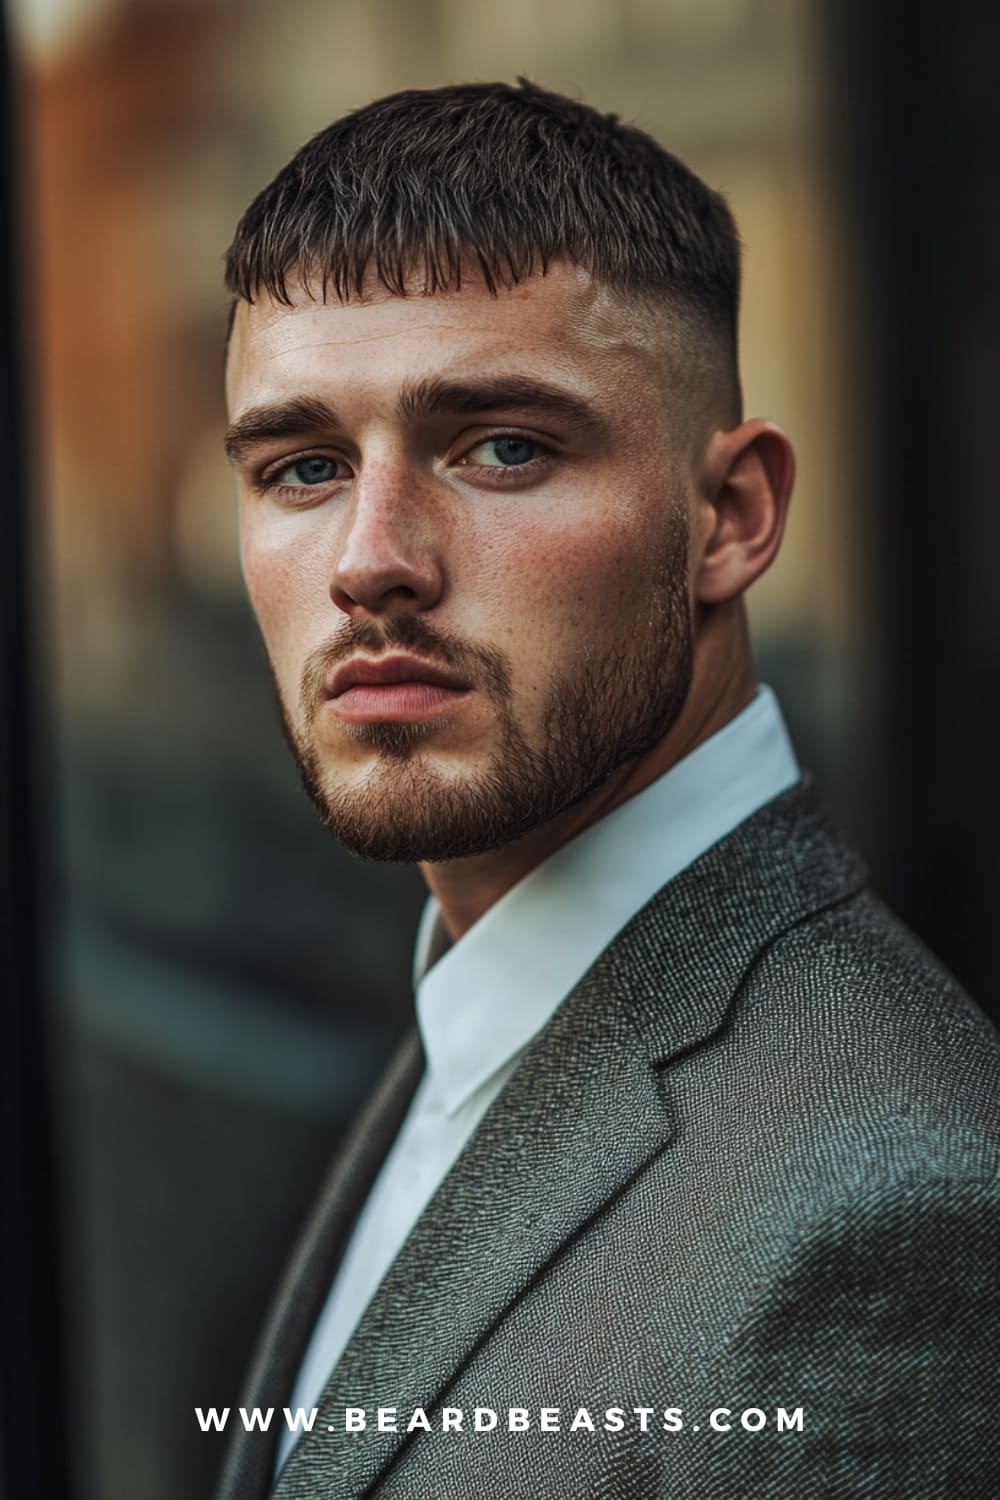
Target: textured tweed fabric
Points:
x,y
751,1165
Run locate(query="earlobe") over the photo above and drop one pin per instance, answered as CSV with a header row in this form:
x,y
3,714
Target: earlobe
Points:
x,y
747,483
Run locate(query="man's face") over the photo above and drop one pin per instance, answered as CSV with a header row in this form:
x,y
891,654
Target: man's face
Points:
x,y
464,523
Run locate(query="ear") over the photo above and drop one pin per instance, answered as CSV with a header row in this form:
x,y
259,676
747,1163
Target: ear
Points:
x,y
746,484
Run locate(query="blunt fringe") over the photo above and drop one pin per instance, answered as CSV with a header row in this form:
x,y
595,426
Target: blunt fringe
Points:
x,y
503,177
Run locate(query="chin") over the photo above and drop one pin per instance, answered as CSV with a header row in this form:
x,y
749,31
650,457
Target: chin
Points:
x,y
396,741
405,811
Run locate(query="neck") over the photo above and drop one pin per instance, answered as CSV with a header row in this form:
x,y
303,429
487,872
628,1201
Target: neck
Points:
x,y
723,684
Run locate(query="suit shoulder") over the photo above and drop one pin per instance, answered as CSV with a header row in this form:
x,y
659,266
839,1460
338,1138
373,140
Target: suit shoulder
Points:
x,y
858,956
852,1026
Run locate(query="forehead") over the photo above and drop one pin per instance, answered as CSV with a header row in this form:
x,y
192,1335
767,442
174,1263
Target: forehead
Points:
x,y
562,325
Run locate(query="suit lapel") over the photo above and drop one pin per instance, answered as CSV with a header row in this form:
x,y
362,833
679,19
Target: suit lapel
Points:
x,y
249,1463
581,1115
576,1121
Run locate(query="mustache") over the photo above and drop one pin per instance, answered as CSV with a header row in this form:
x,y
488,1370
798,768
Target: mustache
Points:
x,y
484,666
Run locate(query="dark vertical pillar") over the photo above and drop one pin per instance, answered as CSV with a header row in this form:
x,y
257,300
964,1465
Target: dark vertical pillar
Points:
x,y
34,1419
916,115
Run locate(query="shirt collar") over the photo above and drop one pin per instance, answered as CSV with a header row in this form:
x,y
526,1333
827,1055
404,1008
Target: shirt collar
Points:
x,y
482,999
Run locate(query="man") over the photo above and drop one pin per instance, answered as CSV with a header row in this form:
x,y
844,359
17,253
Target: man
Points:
x,y
686,1183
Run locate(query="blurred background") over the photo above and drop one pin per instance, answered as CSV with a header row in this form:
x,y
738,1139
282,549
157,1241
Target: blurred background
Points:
x,y
204,985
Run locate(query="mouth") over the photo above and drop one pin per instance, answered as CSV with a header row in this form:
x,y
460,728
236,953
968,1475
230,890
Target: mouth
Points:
x,y
396,688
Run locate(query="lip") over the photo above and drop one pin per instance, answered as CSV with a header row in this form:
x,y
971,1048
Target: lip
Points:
x,y
398,688
385,671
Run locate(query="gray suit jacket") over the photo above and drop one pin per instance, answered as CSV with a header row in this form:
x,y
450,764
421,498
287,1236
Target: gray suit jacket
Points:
x,y
750,1163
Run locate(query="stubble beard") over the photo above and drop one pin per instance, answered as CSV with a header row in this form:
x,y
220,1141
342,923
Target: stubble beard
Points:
x,y
610,708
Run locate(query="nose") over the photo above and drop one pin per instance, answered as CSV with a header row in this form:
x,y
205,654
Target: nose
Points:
x,y
387,560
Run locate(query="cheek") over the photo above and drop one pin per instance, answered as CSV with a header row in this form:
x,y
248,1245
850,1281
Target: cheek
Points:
x,y
555,582
287,591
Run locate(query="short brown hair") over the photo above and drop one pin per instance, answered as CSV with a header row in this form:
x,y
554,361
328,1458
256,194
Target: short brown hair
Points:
x,y
504,177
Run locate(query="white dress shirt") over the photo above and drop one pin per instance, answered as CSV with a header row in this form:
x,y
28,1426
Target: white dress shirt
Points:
x,y
485,997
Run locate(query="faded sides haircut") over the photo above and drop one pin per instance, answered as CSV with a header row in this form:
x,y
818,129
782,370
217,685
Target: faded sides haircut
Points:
x,y
504,179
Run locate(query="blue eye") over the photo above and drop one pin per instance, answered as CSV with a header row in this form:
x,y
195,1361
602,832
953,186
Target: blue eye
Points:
x,y
508,452
307,471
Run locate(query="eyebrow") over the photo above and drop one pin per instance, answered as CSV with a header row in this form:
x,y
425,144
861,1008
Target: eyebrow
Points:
x,y
261,424
438,397
418,400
